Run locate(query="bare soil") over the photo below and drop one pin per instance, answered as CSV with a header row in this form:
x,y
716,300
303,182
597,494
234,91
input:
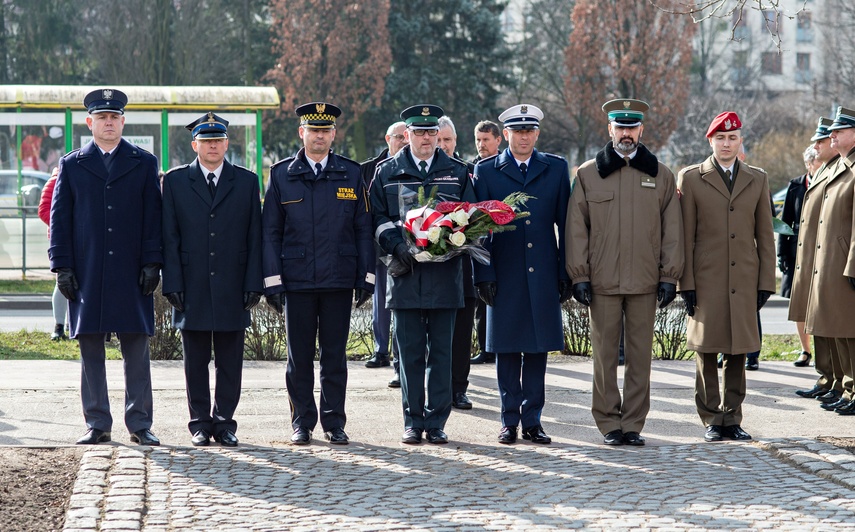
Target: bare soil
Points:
x,y
35,486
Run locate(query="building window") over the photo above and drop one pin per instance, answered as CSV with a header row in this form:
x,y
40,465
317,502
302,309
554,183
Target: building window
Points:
x,y
740,27
739,73
803,73
770,63
771,21
804,27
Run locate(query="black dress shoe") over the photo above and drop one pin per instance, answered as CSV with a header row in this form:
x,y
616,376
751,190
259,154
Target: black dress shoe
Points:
x,y
846,410
379,360
94,437
614,437
301,436
803,361
831,397
752,364
412,436
58,333
200,438
508,435
713,433
633,438
461,401
835,405
227,438
536,435
436,436
735,432
395,382
816,391
145,437
720,361
483,358
336,436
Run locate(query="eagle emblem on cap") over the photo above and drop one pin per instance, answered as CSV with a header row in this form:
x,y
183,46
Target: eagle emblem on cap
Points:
x,y
727,124
425,111
107,94
320,107
523,109
626,104
211,117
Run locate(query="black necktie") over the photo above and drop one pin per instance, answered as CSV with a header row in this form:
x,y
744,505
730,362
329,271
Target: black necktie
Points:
x,y
212,187
524,170
318,169
728,175
423,168
108,161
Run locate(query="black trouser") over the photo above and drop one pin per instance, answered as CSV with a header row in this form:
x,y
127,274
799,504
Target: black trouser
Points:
x,y
461,346
228,367
324,315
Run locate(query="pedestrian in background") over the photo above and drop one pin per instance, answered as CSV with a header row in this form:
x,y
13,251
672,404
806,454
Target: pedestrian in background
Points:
x,y
212,273
59,304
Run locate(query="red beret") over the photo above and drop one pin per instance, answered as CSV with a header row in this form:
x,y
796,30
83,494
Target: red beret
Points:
x,y
726,121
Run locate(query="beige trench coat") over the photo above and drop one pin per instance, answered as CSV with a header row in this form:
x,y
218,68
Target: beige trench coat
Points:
x,y
624,231
730,255
831,299
811,206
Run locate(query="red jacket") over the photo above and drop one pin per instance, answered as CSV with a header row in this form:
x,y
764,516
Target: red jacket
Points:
x,y
44,202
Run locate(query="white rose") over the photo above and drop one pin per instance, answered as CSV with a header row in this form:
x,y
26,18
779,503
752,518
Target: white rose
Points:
x,y
458,238
460,217
434,233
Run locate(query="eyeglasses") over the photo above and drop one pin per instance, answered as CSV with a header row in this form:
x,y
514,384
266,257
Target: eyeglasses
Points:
x,y
396,136
421,132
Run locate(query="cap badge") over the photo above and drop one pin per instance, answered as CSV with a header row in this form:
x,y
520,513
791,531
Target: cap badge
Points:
x,y
425,111
320,107
211,117
524,109
727,124
626,104
108,94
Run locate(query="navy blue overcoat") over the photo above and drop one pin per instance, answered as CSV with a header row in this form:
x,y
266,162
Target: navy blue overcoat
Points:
x,y
527,263
106,227
212,247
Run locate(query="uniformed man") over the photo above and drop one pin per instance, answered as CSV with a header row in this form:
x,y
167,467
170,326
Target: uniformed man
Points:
x,y
212,273
488,138
729,273
525,282
829,386
317,251
461,346
624,253
425,299
832,283
381,321
105,247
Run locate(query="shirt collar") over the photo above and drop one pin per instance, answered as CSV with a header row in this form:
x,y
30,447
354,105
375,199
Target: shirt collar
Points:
x,y
525,162
416,161
323,162
631,155
217,172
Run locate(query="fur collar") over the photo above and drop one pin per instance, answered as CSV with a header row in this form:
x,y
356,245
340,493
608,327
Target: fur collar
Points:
x,y
609,162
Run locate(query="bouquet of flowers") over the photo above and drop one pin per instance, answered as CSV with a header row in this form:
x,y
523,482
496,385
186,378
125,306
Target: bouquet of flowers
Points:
x,y
436,231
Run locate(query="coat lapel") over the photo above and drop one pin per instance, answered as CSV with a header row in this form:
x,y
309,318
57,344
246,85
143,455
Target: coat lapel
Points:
x,y
506,164
225,184
712,177
127,158
91,159
537,165
199,183
744,177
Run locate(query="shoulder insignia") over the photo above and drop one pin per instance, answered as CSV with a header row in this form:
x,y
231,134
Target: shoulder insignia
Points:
x,y
180,167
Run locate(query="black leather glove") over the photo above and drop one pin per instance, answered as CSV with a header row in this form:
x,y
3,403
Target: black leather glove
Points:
x,y
251,299
665,294
565,291
852,282
276,302
360,296
487,292
149,278
782,265
67,283
403,255
582,293
691,299
762,297
176,299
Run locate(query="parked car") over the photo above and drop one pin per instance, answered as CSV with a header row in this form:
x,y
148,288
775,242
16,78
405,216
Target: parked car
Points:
x,y
32,183
778,199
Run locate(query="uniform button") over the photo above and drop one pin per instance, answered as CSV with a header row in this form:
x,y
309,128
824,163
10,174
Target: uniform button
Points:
x,y
818,246
529,244
733,263
109,229
212,253
731,207
212,215
732,235
212,273
212,234
531,270
109,206
109,253
109,187
528,222
732,290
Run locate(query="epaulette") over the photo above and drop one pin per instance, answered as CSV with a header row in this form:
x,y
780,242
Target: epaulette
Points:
x,y
559,157
243,168
756,168
280,161
179,167
490,158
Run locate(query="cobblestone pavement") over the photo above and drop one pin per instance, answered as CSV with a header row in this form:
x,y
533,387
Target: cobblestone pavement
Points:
x,y
782,484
